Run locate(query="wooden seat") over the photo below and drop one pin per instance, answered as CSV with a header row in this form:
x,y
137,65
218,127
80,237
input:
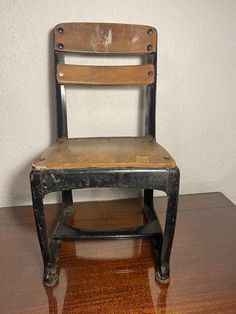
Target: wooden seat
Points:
x,y
112,152
111,162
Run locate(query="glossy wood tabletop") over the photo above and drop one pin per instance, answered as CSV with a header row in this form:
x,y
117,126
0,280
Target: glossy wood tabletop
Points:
x,y
118,276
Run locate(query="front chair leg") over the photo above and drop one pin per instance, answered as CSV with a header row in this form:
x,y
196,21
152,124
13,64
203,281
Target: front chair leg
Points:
x,y
163,274
50,276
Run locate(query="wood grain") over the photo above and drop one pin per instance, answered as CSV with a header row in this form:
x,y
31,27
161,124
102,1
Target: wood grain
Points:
x,y
111,152
105,38
69,74
118,276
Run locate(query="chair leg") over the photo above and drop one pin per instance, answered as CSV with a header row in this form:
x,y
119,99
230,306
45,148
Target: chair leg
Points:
x,y
67,198
163,274
150,215
67,204
148,197
50,276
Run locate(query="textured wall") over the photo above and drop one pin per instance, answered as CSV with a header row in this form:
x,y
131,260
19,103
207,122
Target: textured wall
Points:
x,y
196,89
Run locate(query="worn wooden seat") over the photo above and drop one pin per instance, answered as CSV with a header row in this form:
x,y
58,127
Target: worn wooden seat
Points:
x,y
111,152
111,162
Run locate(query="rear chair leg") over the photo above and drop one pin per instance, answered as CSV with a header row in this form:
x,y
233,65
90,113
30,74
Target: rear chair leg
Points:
x,y
67,198
50,276
67,205
163,273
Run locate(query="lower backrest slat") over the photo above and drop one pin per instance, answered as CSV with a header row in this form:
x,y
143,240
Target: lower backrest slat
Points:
x,y
68,74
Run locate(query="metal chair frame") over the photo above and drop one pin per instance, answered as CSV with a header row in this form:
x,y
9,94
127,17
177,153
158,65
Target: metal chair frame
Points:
x,y
45,181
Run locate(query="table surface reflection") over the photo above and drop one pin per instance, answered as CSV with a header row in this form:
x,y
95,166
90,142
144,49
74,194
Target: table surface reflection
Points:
x,y
118,276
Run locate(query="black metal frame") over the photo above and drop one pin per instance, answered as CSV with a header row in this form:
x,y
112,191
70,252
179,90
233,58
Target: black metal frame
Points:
x,y
44,181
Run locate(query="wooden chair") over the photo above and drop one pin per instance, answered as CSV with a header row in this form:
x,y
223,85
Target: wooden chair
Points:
x,y
123,162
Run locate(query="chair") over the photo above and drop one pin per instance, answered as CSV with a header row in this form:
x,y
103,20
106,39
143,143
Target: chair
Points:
x,y
122,162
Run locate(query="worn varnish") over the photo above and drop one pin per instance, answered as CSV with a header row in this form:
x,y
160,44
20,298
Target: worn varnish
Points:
x,y
111,152
105,38
105,75
118,276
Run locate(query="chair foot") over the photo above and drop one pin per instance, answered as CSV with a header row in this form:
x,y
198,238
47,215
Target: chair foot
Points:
x,y
50,277
163,279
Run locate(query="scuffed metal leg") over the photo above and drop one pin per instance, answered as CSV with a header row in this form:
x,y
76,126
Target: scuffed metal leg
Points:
x,y
148,197
46,181
163,273
50,276
150,215
67,200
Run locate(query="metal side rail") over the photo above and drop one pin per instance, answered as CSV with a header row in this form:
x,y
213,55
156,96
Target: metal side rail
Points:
x,y
69,233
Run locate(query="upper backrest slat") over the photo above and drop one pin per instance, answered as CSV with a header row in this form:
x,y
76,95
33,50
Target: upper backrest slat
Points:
x,y
105,38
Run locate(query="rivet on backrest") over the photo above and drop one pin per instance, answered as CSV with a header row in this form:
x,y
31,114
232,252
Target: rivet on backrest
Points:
x,y
60,46
150,31
149,47
60,30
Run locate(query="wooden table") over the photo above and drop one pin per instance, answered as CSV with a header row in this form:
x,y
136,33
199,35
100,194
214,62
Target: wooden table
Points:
x,y
118,276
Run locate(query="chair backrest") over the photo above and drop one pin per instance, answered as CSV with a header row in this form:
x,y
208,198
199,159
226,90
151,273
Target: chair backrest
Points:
x,y
105,39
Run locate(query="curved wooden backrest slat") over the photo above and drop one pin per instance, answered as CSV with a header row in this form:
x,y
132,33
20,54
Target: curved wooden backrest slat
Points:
x,y
68,74
105,38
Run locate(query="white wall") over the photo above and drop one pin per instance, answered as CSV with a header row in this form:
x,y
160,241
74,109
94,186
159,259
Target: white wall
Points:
x,y
196,88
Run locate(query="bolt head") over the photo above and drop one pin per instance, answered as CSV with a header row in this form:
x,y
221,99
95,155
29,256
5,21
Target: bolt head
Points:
x,y
149,47
60,46
60,30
